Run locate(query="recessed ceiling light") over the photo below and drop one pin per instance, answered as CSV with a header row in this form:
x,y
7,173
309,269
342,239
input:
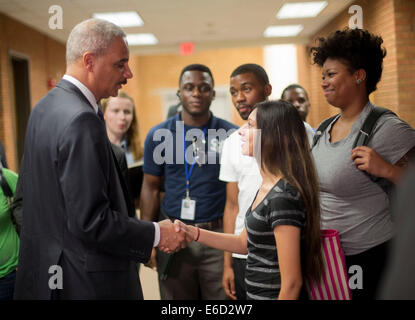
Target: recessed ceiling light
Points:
x,y
141,39
301,10
283,31
121,19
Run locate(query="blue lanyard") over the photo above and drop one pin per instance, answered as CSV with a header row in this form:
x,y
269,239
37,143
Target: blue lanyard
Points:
x,y
189,172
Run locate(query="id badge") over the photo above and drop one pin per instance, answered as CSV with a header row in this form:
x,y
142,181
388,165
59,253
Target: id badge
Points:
x,y
188,210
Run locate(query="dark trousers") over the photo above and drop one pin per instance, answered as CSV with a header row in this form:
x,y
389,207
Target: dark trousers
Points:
x,y
373,263
239,266
7,286
193,273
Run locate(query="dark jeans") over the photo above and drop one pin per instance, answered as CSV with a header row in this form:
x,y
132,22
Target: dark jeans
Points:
x,y
7,286
373,263
239,266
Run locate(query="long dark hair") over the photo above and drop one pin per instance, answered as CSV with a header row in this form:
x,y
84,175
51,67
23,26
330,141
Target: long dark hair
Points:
x,y
285,150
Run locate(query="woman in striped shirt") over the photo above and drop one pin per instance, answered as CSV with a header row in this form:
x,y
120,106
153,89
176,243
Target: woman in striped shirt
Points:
x,y
282,226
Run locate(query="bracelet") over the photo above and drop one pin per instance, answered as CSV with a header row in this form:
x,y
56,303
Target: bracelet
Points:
x,y
198,234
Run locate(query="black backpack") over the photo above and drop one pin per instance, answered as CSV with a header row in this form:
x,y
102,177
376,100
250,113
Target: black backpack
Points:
x,y
362,140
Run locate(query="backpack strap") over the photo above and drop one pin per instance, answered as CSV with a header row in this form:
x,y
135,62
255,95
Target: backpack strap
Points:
x,y
362,140
367,127
321,128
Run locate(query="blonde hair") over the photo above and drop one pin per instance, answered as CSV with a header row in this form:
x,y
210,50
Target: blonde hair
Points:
x,y
133,132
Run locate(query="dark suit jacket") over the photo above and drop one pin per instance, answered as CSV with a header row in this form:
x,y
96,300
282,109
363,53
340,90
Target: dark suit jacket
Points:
x,y
121,160
16,205
75,208
122,163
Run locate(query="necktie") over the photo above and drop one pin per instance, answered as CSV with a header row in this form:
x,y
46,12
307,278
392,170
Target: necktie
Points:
x,y
100,114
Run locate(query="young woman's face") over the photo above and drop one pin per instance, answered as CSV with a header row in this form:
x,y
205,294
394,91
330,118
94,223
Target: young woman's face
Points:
x,y
118,115
249,136
338,83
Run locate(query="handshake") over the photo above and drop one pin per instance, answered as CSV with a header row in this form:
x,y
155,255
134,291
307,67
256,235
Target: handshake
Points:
x,y
175,236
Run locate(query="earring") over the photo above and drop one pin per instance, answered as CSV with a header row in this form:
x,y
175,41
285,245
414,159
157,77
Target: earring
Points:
x,y
358,81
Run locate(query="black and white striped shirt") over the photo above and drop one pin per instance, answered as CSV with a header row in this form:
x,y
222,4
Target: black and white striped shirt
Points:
x,y
283,205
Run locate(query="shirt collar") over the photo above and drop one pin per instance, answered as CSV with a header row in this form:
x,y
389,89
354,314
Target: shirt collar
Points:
x,y
85,91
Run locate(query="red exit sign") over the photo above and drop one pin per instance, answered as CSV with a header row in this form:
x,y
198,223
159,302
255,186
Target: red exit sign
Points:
x,y
187,48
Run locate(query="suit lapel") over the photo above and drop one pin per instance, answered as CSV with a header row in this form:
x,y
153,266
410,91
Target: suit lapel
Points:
x,y
131,210
66,85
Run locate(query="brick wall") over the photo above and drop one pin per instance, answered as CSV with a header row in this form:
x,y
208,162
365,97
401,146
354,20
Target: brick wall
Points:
x,y
155,72
46,60
405,55
394,21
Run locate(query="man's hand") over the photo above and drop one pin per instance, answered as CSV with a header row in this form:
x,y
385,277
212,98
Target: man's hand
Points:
x,y
172,237
228,282
190,231
229,217
152,263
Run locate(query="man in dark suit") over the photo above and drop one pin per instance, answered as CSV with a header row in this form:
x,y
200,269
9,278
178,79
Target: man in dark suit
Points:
x,y
78,240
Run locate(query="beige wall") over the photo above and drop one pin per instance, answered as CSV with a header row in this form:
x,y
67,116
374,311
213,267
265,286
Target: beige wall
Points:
x,y
152,73
46,60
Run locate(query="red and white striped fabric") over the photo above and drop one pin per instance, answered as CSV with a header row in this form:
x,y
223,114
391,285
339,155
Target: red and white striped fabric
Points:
x,y
334,283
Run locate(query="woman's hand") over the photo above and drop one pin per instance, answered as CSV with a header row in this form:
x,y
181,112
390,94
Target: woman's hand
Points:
x,y
191,231
367,159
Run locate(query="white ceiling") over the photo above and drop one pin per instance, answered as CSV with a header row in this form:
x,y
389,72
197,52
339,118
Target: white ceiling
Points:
x,y
208,23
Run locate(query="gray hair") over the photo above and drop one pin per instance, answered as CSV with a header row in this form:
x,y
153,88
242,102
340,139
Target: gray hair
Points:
x,y
92,35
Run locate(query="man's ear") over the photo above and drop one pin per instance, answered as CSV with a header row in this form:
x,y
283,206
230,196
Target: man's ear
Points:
x,y
178,94
213,94
89,61
267,90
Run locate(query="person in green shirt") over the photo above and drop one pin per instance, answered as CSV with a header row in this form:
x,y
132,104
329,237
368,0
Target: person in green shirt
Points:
x,y
9,240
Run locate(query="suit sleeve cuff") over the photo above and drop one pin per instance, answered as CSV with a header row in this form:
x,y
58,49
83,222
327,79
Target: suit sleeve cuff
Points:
x,y
156,234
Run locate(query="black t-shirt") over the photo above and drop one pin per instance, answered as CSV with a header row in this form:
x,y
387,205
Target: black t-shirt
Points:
x,y
283,205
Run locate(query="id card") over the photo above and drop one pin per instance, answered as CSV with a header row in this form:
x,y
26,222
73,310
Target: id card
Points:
x,y
188,210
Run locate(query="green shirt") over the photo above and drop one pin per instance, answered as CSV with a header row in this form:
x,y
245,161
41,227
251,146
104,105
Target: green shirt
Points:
x,y
9,240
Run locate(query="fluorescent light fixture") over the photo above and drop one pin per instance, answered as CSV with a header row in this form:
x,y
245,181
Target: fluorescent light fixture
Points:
x,y
121,19
301,10
283,31
141,39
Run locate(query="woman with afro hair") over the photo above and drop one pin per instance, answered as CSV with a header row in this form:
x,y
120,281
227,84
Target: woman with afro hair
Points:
x,y
351,202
